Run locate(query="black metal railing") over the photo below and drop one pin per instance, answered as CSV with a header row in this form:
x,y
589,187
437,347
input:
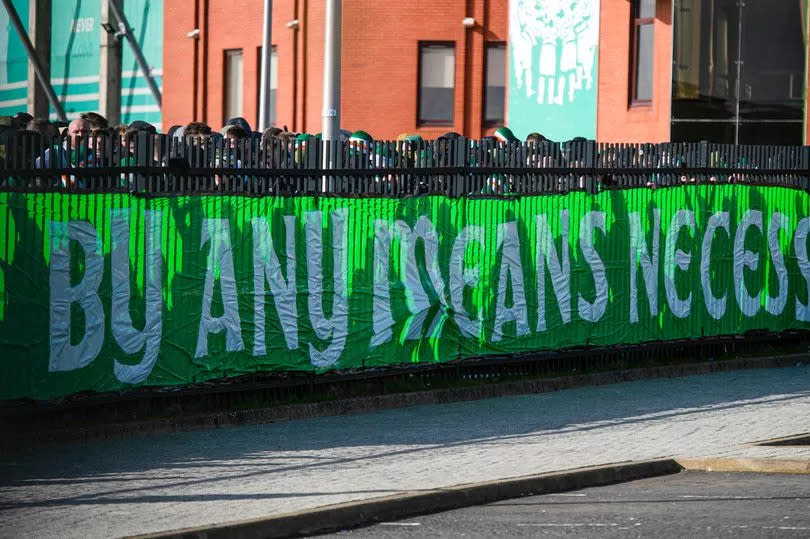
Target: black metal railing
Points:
x,y
148,164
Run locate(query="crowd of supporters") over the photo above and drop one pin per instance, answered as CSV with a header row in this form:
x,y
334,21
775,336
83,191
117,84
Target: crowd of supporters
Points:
x,y
91,141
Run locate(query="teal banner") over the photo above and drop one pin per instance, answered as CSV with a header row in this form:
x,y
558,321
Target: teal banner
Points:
x,y
75,58
104,292
553,68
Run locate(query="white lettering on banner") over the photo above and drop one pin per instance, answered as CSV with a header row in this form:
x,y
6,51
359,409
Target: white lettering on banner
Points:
x,y
776,305
511,270
800,246
749,305
558,267
461,277
220,258
415,295
716,306
266,267
649,264
675,257
593,312
82,24
128,338
337,327
382,321
63,355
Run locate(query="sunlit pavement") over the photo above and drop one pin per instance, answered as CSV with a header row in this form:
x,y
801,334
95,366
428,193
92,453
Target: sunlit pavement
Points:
x,y
178,480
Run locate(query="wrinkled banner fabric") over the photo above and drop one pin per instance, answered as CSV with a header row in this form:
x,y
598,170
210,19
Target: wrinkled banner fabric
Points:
x,y
104,292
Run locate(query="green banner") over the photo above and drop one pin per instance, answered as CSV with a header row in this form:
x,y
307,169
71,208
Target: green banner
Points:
x,y
105,292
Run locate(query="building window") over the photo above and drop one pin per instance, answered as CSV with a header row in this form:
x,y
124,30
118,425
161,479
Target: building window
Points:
x,y
738,72
233,86
437,70
496,84
273,83
641,49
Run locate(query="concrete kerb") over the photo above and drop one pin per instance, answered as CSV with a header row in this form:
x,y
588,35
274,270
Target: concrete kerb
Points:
x,y
409,504
742,465
364,512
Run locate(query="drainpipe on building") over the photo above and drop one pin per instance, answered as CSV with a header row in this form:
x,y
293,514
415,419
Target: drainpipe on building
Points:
x,y
267,54
330,113
331,71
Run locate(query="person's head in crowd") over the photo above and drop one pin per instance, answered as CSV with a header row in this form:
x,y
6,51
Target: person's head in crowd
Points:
x,y
504,134
42,126
360,141
286,136
451,135
95,119
239,122
198,129
535,138
172,130
143,127
21,120
135,128
78,128
234,132
61,126
301,141
269,134
120,130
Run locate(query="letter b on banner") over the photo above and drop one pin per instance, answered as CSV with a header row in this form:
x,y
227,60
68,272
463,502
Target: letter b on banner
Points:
x,y
66,356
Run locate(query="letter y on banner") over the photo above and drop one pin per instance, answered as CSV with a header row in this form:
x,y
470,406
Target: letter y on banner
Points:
x,y
337,327
128,338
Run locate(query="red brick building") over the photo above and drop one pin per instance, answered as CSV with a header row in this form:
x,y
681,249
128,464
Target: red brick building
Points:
x,y
380,61
402,60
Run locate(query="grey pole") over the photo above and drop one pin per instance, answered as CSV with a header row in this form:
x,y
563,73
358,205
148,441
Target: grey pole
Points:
x,y
42,76
136,51
331,71
39,29
110,69
267,54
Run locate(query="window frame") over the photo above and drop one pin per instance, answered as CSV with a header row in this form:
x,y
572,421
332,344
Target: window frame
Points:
x,y
484,121
636,23
431,123
226,53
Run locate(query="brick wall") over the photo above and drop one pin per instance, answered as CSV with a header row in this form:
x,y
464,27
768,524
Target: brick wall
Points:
x,y
617,120
379,61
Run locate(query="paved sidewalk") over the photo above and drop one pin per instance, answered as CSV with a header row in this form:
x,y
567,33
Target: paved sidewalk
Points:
x,y
195,478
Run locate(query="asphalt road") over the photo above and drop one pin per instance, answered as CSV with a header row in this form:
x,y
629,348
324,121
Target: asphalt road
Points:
x,y
688,504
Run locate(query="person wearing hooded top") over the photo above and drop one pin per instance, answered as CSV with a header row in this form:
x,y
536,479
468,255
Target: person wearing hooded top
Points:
x,y
497,156
228,153
240,122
